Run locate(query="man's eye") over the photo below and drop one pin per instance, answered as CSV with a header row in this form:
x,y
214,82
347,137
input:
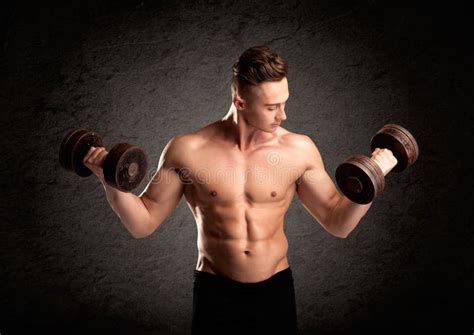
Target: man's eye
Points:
x,y
271,108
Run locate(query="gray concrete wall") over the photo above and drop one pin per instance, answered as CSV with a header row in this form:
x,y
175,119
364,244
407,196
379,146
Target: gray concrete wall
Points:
x,y
144,71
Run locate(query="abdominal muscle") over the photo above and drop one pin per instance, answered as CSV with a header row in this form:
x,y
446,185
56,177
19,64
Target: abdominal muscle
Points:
x,y
242,251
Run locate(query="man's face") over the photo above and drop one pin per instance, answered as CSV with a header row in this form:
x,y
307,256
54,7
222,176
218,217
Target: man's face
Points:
x,y
264,108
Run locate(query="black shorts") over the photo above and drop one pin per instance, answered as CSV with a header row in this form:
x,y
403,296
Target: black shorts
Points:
x,y
225,306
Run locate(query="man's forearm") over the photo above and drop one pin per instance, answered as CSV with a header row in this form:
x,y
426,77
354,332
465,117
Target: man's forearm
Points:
x,y
130,209
346,215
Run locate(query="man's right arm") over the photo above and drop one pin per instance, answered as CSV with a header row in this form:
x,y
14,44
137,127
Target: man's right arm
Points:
x,y
143,214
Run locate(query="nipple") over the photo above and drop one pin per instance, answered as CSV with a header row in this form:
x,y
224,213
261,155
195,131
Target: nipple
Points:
x,y
214,193
273,194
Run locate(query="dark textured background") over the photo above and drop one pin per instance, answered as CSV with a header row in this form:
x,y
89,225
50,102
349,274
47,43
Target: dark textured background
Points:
x,y
142,72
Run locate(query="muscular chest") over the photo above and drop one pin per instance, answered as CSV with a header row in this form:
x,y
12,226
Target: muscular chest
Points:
x,y
225,176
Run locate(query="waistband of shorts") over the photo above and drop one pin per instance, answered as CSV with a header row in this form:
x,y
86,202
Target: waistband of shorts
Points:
x,y
282,277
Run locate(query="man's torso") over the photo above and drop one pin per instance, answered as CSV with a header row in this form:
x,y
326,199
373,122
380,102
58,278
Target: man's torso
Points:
x,y
239,200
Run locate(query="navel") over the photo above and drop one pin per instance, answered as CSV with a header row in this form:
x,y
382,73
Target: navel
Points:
x,y
273,194
214,193
247,252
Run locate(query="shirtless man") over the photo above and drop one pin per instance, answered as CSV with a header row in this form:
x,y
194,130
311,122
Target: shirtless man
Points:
x,y
239,175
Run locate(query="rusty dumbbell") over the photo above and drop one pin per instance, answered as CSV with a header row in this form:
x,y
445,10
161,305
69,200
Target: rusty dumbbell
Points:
x,y
124,167
361,179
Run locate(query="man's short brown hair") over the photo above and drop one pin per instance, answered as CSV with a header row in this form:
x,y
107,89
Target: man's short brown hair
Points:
x,y
255,65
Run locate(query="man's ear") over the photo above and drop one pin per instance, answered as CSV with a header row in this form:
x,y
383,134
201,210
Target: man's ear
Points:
x,y
238,102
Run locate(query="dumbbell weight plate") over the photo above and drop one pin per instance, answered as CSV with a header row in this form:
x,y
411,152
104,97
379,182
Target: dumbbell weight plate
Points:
x,y
64,155
75,146
125,166
400,141
360,179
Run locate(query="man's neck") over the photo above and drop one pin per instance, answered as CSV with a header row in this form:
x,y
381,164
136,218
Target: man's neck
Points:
x,y
243,135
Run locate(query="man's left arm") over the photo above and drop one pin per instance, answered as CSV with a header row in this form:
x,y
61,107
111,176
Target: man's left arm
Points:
x,y
320,197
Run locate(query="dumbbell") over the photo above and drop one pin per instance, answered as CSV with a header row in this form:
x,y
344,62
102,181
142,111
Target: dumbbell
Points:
x,y
124,167
361,179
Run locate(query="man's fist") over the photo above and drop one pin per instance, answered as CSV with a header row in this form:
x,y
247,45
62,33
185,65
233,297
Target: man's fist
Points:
x,y
385,159
94,160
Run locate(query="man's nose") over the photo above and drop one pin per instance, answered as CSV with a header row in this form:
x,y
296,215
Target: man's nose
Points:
x,y
281,115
